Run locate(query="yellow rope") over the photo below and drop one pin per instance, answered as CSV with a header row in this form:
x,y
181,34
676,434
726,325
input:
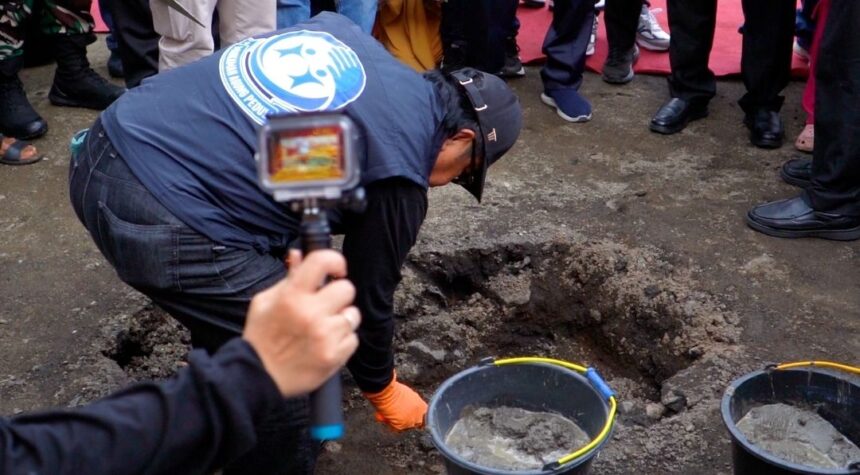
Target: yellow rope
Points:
x,y
613,406
823,364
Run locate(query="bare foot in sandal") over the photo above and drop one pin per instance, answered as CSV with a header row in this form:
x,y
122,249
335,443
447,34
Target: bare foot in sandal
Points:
x,y
17,152
806,140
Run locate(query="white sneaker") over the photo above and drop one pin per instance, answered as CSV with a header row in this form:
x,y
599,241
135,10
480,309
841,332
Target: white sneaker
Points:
x,y
592,41
649,34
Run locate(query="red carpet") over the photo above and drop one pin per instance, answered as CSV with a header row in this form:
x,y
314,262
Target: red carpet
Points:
x,y
725,56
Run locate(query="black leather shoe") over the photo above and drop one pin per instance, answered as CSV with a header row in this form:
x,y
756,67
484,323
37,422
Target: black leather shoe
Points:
x,y
766,129
793,218
675,115
797,172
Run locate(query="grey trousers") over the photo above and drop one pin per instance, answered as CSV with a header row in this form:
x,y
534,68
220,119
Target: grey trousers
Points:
x,y
183,41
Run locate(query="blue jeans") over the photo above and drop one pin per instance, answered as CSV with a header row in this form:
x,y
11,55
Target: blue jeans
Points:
x,y
205,286
110,39
362,12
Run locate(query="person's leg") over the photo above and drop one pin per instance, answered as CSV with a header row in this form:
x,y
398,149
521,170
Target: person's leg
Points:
x,y
691,82
766,58
565,43
836,159
182,41
240,19
17,117
829,207
70,26
292,12
766,67
205,286
504,27
362,12
467,26
136,39
622,20
806,139
114,63
453,32
692,24
564,47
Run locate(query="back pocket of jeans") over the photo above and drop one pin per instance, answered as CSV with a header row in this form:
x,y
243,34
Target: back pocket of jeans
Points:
x,y
143,255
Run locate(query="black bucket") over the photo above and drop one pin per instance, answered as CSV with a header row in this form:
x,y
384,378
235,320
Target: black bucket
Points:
x,y
530,386
835,395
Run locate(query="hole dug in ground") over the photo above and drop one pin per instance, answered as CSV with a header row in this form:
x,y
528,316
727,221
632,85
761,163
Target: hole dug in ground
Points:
x,y
624,311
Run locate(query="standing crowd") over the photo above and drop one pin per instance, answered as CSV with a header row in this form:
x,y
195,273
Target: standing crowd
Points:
x,y
424,81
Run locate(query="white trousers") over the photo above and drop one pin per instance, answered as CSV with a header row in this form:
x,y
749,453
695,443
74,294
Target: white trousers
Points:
x,y
183,41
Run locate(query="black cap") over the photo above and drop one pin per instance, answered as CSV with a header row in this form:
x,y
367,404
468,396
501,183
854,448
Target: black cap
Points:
x,y
500,119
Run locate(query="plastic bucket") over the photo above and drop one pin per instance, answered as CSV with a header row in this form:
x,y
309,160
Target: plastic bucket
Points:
x,y
835,395
530,386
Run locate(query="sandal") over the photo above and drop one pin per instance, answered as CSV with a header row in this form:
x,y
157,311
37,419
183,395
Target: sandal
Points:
x,y
12,152
806,140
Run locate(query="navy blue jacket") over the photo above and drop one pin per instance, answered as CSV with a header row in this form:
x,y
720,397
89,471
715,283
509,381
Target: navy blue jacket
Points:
x,y
189,135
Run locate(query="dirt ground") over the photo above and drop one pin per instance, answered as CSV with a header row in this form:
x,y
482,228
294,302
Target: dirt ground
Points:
x,y
600,243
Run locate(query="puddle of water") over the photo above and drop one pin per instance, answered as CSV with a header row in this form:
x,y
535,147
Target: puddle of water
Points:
x,y
510,438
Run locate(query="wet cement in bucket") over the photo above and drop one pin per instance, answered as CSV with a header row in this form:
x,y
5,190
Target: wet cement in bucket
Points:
x,y
510,438
798,435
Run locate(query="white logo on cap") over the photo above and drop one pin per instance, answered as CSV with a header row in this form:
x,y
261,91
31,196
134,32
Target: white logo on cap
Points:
x,y
492,135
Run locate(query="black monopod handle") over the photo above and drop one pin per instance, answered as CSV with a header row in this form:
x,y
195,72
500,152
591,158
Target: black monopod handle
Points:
x,y
326,402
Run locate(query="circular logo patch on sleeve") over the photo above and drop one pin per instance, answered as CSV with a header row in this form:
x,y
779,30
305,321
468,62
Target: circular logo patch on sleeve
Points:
x,y
297,71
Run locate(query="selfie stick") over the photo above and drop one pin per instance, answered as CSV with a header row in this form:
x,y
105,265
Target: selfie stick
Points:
x,y
308,161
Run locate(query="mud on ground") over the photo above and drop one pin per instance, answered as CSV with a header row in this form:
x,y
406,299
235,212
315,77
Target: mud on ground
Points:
x,y
600,243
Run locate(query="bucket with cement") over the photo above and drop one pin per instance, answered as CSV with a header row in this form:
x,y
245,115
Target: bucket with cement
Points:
x,y
526,389
795,418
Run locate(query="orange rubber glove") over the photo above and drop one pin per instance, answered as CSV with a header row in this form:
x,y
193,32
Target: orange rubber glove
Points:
x,y
398,406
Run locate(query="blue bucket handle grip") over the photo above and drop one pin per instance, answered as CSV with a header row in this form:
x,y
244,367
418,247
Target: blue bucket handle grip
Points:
x,y
599,384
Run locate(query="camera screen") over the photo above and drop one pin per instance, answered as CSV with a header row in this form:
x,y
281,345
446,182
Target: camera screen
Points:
x,y
312,154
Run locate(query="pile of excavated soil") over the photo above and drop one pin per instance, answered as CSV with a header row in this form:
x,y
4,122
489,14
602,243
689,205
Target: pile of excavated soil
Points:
x,y
798,435
511,438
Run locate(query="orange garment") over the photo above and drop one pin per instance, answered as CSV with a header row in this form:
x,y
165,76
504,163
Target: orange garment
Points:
x,y
409,30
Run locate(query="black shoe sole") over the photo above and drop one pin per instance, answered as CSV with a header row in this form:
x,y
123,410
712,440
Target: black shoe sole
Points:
x,y
766,143
850,234
614,80
799,182
674,129
62,100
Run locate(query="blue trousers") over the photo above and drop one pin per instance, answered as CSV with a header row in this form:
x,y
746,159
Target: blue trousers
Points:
x,y
362,12
565,44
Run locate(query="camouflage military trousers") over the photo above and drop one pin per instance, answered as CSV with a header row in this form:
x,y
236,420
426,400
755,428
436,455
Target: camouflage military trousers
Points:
x,y
56,17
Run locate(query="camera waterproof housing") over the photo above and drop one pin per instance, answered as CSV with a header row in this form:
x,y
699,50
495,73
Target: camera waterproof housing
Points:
x,y
308,156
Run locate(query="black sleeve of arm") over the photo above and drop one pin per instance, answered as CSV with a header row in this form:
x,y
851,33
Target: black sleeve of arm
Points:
x,y
375,246
193,423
